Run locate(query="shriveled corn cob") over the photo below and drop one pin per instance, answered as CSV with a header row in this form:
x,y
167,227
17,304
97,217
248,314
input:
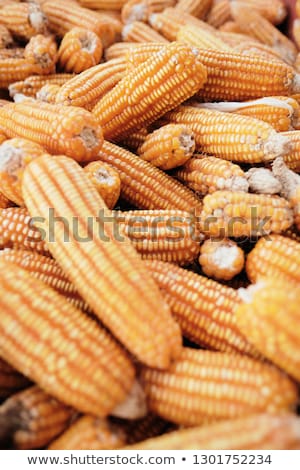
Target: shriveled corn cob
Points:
x,y
37,418
259,431
42,50
273,10
100,269
59,129
103,4
237,214
203,308
269,307
79,50
51,343
88,87
135,139
209,174
31,85
221,259
292,158
23,20
168,235
4,202
145,186
106,180
203,386
10,380
137,31
48,93
136,101
168,147
201,38
262,181
15,154
119,50
6,39
90,433
139,10
231,136
219,13
198,8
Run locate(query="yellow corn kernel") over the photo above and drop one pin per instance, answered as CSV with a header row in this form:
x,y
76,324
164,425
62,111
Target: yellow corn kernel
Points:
x,y
292,233
140,53
219,13
36,417
79,50
99,265
31,85
198,8
292,158
136,101
59,129
202,386
42,50
106,180
237,214
6,39
48,93
200,37
10,380
221,259
23,20
137,31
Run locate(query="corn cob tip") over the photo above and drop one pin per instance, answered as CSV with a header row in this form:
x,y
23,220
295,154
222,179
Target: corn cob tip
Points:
x,y
262,181
134,406
276,145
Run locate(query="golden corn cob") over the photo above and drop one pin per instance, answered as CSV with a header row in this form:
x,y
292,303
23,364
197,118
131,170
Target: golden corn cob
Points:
x,y
166,235
203,308
219,13
13,53
10,380
259,431
99,269
235,39
260,28
79,50
140,53
231,136
15,69
258,49
292,233
237,214
273,10
42,50
231,27
168,147
52,342
298,8
135,139
88,87
59,129
139,10
145,186
103,4
48,93
269,307
37,418
114,19
31,85
221,259
198,8
23,20
48,271
136,102
89,433
209,174
15,154
137,31
203,386
292,158
119,50
201,38
262,181
6,39
106,180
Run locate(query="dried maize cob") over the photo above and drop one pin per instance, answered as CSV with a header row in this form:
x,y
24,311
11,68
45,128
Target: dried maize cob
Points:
x,y
168,147
273,10
298,8
209,174
203,308
15,154
118,50
231,27
13,53
144,185
231,136
31,85
88,87
43,51
165,80
139,10
135,139
137,31
292,233
106,180
198,8
219,13
269,307
136,55
14,69
166,235
36,418
292,158
102,4
114,19
201,38
296,36
6,39
89,433
70,130
97,268
259,431
237,214
10,380
202,386
48,93
262,181
23,20
258,49
79,50
51,343
235,39
221,259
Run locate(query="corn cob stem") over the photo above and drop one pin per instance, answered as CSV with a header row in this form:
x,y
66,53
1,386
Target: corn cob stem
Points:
x,y
262,181
221,259
106,180
10,380
31,85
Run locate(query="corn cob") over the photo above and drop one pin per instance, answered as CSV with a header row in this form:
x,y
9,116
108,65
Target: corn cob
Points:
x,y
168,235
139,10
31,85
298,8
14,69
36,417
88,87
209,174
79,50
231,27
6,39
89,433
99,269
262,181
235,39
145,186
236,214
10,380
273,10
119,50
52,341
201,38
48,93
136,101
292,233
259,431
135,139
23,20
13,53
168,147
63,17
4,202
15,154
202,386
203,308
198,8
114,19
42,50
106,180
219,13
258,49
292,158
271,306
221,259
59,129
140,53
231,136
103,4
137,31
48,271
